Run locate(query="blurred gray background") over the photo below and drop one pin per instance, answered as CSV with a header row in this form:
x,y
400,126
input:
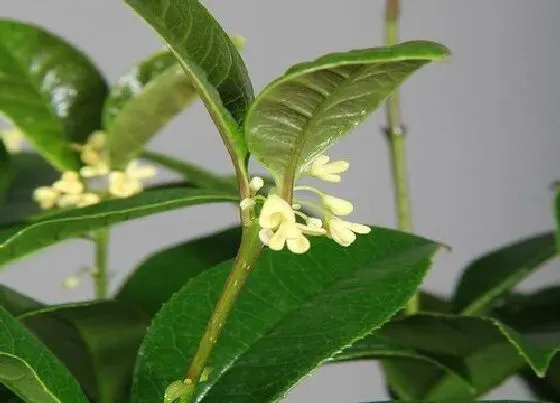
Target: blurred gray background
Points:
x,y
484,138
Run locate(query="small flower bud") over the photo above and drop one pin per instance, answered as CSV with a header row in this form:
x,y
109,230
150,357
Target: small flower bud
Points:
x,y
256,184
337,206
71,282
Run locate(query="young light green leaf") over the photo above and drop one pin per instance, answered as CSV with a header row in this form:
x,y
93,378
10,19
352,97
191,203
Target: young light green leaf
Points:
x,y
494,274
143,102
210,60
43,76
28,171
490,350
193,173
97,341
294,313
301,114
30,370
21,239
160,276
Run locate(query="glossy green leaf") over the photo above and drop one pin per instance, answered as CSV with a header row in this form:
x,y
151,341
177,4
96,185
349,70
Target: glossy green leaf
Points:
x,y
97,341
28,171
19,240
494,274
29,369
299,115
44,77
545,389
165,272
143,102
490,350
295,312
210,60
193,173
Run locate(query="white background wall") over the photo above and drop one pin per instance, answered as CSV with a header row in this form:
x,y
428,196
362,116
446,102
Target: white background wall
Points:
x,y
484,143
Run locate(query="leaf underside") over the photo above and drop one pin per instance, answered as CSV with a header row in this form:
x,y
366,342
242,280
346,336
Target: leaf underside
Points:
x,y
301,114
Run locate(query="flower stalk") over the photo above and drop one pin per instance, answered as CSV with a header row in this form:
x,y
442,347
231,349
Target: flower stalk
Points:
x,y
396,134
101,274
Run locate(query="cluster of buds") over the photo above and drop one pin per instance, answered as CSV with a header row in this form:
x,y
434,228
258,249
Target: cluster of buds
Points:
x,y
284,225
71,190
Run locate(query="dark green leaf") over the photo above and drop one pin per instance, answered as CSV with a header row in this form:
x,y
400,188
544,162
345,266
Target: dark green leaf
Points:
x,y
490,350
97,341
193,173
210,60
536,312
143,102
29,369
15,303
491,276
19,240
5,172
557,214
294,313
29,171
299,115
376,346
43,76
547,389
164,273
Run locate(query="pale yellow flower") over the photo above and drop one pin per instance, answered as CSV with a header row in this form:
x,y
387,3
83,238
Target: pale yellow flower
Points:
x,y
344,232
337,206
46,197
329,172
70,183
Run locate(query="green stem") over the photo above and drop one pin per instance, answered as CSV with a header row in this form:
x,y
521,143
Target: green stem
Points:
x,y
101,254
249,250
396,134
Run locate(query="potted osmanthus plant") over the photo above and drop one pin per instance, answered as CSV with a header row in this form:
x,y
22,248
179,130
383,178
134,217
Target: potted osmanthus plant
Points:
x,y
241,315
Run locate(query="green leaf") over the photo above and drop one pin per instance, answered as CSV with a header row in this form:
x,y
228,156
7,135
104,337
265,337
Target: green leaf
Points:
x,y
5,172
30,370
43,76
376,346
28,172
19,240
210,60
491,352
301,114
160,276
193,173
547,389
16,303
97,341
493,275
534,312
295,312
143,102
557,214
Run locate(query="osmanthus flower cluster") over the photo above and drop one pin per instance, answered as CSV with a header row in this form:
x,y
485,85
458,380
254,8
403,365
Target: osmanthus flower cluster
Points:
x,y
284,225
94,181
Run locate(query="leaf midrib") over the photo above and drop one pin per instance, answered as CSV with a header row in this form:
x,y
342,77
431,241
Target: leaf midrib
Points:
x,y
309,299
